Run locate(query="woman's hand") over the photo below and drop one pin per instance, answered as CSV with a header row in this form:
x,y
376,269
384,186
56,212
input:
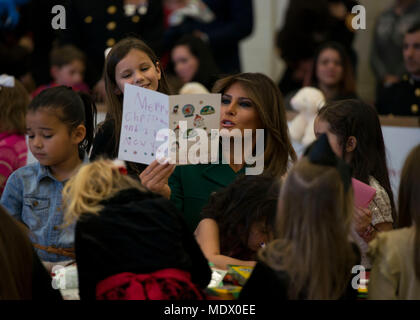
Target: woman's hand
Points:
x,y
155,177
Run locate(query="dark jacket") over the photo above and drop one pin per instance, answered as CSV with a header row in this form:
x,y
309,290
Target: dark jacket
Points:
x,y
95,25
234,21
402,98
135,232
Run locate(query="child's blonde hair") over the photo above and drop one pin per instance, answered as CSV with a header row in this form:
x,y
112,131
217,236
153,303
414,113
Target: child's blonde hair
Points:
x,y
312,228
13,104
94,183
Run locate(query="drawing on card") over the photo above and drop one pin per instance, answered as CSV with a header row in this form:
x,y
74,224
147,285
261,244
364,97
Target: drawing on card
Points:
x,y
153,126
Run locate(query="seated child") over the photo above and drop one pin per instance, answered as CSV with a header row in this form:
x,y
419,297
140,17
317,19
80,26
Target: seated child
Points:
x,y
67,69
60,126
238,221
130,244
396,254
312,257
13,150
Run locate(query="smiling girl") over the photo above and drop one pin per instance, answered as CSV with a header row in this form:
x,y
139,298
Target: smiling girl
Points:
x,y
129,61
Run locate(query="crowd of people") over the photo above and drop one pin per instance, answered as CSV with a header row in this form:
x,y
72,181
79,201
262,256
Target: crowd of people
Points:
x,y
139,231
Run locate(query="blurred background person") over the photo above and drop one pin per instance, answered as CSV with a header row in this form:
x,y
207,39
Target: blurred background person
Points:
x,y
96,25
386,52
403,97
233,21
192,61
308,24
332,73
67,68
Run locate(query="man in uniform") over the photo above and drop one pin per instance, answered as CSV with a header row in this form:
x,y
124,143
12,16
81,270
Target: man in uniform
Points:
x,y
95,25
403,98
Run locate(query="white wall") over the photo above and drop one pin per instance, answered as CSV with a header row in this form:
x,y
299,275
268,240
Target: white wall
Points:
x,y
258,51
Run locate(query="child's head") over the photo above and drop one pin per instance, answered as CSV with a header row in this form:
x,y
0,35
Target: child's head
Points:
x,y
130,61
354,132
313,225
13,103
93,183
16,255
245,212
67,65
332,69
60,124
409,200
257,102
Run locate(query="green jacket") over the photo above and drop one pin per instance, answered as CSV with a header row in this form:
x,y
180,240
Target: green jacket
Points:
x,y
192,185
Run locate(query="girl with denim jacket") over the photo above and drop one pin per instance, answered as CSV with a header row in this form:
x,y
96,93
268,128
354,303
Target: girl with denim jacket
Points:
x,y
60,126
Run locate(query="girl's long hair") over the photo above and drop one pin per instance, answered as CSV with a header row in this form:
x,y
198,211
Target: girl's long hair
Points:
x,y
312,232
355,118
409,201
115,102
268,101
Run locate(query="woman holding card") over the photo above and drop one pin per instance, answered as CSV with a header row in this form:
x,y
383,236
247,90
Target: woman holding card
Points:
x,y
130,61
249,101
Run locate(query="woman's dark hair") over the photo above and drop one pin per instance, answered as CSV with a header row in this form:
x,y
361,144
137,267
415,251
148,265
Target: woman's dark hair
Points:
x,y
208,71
409,201
347,85
16,259
249,200
71,108
355,118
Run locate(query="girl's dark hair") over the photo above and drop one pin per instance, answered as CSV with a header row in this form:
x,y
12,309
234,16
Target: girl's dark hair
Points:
x,y
72,109
353,117
347,85
114,101
208,71
409,201
249,200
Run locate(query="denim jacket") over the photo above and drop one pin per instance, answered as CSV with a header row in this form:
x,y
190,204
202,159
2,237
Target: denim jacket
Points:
x,y
33,196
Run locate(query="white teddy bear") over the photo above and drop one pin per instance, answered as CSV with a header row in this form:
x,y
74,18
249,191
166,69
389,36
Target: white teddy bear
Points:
x,y
307,101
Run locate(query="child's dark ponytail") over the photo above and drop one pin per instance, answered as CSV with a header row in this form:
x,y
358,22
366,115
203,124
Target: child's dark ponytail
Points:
x,y
72,109
90,122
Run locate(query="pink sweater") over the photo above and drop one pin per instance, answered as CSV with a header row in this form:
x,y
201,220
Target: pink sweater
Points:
x,y
13,154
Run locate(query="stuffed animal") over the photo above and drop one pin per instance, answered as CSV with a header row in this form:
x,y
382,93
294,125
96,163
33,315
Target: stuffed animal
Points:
x,y
307,101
